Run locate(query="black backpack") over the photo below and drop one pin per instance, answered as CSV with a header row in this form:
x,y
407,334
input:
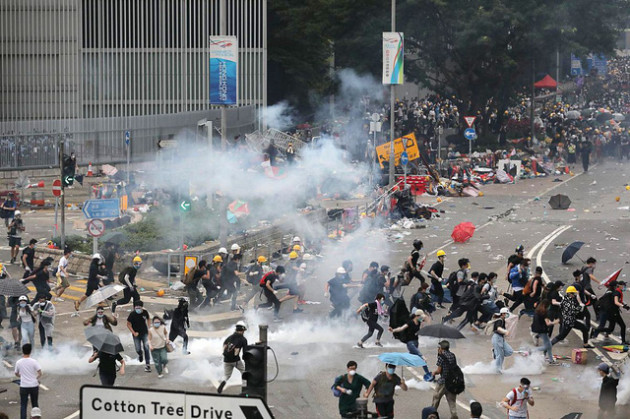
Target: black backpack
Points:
x,y
606,301
454,380
452,280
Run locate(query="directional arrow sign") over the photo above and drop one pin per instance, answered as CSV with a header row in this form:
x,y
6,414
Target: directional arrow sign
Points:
x,y
101,208
184,206
470,134
127,137
404,158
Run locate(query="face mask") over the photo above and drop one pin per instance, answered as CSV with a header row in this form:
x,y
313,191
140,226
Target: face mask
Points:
x,y
391,371
282,276
352,372
139,310
156,324
100,315
42,304
382,301
22,304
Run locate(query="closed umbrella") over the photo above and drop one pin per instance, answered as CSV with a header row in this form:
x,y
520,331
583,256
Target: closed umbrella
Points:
x,y
103,340
102,294
12,288
612,277
570,251
402,358
463,232
440,331
559,201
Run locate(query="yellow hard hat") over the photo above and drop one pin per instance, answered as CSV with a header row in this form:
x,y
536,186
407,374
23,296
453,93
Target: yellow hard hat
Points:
x,y
137,259
440,253
293,255
297,247
571,289
1,267
262,259
217,258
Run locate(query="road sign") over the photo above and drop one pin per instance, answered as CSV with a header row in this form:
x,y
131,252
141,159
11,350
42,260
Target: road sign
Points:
x,y
135,403
404,158
167,143
56,187
375,117
184,206
101,208
470,120
470,134
96,228
410,146
127,137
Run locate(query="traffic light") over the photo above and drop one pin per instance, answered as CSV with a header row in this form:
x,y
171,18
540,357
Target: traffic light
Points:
x,y
255,375
69,166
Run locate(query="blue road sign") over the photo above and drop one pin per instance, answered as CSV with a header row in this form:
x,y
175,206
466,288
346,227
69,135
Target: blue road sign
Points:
x,y
404,158
470,134
127,137
101,208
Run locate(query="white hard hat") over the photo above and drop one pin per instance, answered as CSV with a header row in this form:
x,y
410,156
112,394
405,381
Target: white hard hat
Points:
x,y
296,239
341,270
504,310
97,256
241,323
235,247
23,298
223,250
16,213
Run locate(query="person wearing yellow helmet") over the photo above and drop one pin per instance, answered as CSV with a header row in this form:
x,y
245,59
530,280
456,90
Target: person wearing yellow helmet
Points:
x,y
436,271
127,277
253,275
570,309
293,255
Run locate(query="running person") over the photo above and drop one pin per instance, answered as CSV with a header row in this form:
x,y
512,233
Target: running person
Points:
x,y
62,275
15,229
232,347
374,309
411,329
179,323
127,277
94,279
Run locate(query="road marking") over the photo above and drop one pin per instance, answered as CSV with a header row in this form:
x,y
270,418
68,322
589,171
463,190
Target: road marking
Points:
x,y
7,363
74,415
43,387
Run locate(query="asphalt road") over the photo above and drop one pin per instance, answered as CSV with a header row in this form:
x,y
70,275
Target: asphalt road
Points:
x,y
311,350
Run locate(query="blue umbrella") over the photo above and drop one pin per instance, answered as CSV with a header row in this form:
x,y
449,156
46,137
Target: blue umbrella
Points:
x,y
402,358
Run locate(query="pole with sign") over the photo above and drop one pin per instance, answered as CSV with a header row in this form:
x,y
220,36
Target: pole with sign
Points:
x,y
95,228
128,144
470,135
404,161
393,60
63,198
56,191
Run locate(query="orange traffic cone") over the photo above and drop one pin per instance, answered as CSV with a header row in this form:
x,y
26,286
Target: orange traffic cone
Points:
x,y
566,170
89,171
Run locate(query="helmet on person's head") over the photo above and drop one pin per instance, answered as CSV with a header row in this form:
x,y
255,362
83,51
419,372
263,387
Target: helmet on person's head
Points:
x,y
571,290
262,259
240,325
520,249
23,298
293,255
217,259
235,247
137,259
97,256
223,250
341,270
17,213
417,244
440,253
296,239
297,247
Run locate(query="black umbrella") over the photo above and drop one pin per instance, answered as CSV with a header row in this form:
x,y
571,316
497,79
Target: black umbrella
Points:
x,y
12,288
574,415
441,331
103,340
114,237
604,116
570,251
398,315
559,201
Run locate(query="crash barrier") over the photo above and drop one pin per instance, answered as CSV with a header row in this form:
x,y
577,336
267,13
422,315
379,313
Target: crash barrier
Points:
x,y
258,141
418,184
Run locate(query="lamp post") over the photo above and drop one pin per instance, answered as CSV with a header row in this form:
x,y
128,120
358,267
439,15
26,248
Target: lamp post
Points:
x,y
392,158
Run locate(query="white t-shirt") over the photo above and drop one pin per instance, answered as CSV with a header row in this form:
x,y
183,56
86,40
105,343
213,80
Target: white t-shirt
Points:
x,y
27,368
520,403
63,263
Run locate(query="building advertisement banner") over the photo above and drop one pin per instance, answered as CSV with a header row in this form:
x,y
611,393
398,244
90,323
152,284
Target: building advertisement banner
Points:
x,y
223,70
393,57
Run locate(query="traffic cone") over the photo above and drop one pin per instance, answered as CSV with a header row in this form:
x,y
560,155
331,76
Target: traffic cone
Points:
x,y
89,171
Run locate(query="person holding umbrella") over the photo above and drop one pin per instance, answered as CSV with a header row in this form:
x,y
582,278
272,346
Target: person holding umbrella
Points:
x,y
40,279
127,277
384,386
46,314
107,366
100,319
411,329
95,278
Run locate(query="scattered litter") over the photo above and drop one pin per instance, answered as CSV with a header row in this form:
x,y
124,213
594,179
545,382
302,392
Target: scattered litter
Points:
x,y
626,208
498,257
178,285
571,209
594,183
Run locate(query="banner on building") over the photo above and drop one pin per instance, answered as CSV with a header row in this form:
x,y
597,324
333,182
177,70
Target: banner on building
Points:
x,y
223,70
393,57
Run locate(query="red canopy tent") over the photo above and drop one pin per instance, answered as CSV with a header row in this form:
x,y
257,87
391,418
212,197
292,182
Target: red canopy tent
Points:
x,y
546,83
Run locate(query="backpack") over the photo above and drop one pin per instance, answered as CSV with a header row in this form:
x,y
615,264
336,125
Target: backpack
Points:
x,y
365,314
606,301
452,280
335,391
188,279
528,287
263,280
454,381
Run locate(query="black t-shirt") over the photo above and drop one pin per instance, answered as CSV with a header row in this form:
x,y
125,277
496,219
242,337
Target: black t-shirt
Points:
x,y
372,310
497,324
437,268
41,281
337,292
139,321
30,256
538,324
233,342
412,330
272,277
107,362
93,275
539,288
228,275
131,271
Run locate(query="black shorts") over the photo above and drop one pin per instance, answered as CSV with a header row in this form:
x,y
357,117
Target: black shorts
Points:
x,y
15,241
90,289
385,409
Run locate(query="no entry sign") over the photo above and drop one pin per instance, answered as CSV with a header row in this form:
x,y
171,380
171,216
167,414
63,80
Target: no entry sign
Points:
x,y
56,187
96,228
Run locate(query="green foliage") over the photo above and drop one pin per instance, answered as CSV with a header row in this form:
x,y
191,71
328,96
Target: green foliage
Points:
x,y
82,244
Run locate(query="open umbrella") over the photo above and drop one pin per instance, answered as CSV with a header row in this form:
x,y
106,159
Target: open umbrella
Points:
x,y
570,251
618,117
440,331
103,340
463,232
573,115
114,237
559,201
102,294
402,358
12,288
604,116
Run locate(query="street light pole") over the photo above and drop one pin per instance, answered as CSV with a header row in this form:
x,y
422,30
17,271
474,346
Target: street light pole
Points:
x,y
392,158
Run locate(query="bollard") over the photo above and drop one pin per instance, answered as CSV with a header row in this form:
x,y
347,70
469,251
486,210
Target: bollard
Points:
x,y
362,410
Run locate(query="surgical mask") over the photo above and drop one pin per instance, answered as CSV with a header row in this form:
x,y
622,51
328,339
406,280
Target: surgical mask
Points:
x,y
137,265
42,304
156,324
352,372
391,371
382,300
139,310
99,315
282,276
22,304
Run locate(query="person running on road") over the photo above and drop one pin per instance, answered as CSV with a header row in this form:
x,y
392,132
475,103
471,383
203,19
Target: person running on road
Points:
x,y
410,332
95,278
519,275
26,317
212,282
570,309
436,271
514,260
336,288
138,325
446,361
267,282
411,268
230,280
46,316
532,292
350,385
107,367
62,275
288,281
158,339
39,278
373,311
100,319
540,329
232,348
500,348
15,229
253,276
29,372
610,305
179,323
587,277
371,285
28,256
127,277
9,208
517,400
384,386
454,281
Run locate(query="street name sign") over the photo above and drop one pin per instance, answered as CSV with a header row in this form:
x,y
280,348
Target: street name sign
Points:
x,y
135,403
101,208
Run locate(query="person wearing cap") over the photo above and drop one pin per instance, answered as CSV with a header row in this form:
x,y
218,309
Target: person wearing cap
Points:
x,y
28,256
127,277
409,336
158,339
223,253
40,278
100,319
610,311
96,275
500,348
384,386
232,347
26,319
517,400
138,324
446,361
29,372
253,276
607,392
36,413
15,229
236,249
62,274
570,309
46,314
436,271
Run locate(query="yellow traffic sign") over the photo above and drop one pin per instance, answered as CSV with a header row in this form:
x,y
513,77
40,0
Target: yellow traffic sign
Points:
x,y
406,143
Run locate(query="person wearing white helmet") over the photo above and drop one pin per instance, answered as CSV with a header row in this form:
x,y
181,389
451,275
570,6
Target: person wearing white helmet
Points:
x,y
336,288
232,347
235,248
95,278
15,229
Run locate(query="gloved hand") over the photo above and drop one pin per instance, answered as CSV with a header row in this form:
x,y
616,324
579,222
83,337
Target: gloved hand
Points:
x,y
326,295
348,392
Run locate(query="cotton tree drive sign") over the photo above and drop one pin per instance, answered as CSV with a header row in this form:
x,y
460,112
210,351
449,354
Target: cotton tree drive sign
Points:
x,y
223,70
134,403
393,57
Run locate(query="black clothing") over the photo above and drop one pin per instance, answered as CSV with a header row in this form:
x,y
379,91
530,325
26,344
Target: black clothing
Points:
x,y
30,257
234,341
107,362
139,322
608,393
538,324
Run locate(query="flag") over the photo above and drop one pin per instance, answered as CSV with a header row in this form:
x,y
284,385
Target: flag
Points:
x,y
612,277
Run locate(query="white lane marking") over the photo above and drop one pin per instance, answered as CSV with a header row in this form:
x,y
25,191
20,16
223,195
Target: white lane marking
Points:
x,y
74,415
43,387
